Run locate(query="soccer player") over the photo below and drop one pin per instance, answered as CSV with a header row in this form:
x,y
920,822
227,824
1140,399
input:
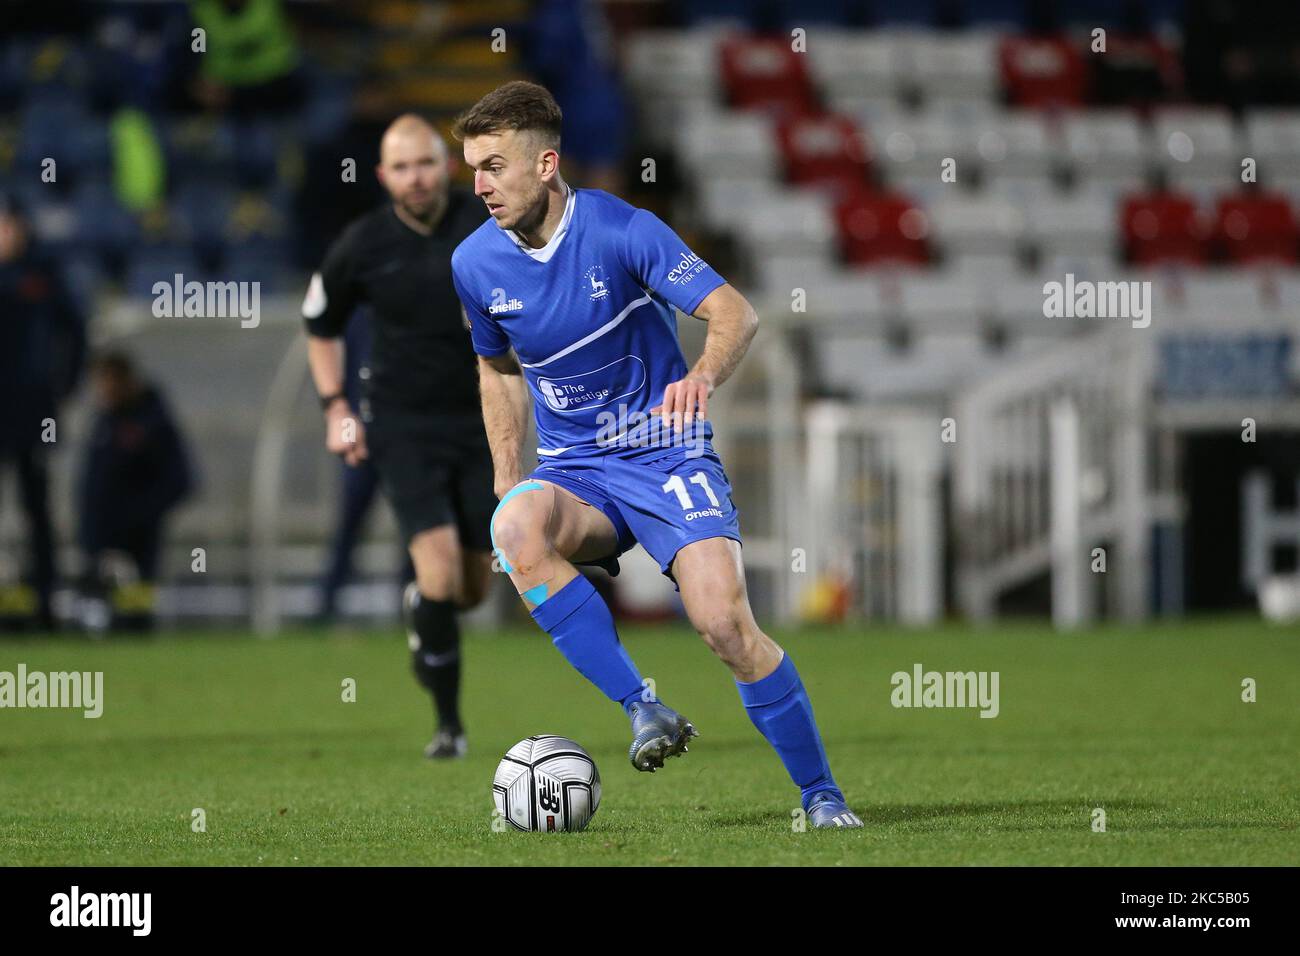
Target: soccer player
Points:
x,y
419,420
570,296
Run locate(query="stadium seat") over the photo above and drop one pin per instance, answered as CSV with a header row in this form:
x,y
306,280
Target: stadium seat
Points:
x,y
853,299
881,228
764,72
735,145
1105,145
672,75
825,150
159,265
101,220
1042,71
963,223
719,199
853,68
1253,227
1163,227
911,147
1137,70
1079,224
945,302
779,273
1195,147
1015,144
1273,141
1233,296
954,66
797,222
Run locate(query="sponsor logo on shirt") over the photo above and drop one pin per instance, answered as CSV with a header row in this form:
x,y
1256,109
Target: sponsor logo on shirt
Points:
x,y
510,305
688,267
574,393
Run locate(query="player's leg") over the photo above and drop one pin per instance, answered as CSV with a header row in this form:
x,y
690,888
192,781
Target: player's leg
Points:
x,y
430,607
538,531
418,478
712,581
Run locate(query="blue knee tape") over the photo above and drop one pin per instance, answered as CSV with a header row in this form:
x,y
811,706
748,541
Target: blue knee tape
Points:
x,y
516,490
537,594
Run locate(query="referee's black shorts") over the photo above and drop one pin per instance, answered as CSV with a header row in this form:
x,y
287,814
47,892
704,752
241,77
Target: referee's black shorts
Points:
x,y
435,469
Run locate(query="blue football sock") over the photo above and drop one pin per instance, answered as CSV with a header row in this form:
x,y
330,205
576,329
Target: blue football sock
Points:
x,y
581,626
779,707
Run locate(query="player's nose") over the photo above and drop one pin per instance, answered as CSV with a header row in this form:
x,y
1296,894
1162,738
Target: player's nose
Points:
x,y
480,184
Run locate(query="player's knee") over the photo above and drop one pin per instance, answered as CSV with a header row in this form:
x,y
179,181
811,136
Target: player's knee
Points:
x,y
728,637
519,526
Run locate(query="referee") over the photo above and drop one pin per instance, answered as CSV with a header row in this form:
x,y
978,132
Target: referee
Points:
x,y
419,422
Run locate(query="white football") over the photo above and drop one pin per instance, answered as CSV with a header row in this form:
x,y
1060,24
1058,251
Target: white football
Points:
x,y
548,784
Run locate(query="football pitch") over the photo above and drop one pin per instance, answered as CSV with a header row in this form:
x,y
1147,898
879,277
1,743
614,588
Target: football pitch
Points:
x,y
1146,725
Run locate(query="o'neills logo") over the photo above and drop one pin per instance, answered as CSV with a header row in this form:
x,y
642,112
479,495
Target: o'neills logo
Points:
x,y
512,305
686,268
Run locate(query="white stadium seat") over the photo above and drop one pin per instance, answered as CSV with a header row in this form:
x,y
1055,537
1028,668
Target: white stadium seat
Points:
x,y
1105,144
955,66
1015,144
943,301
795,222
1079,224
722,145
673,75
850,63
1273,141
961,223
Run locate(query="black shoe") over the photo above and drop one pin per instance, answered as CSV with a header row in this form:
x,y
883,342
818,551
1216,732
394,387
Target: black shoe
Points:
x,y
445,746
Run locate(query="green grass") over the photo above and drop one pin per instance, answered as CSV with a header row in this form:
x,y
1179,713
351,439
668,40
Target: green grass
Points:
x,y
1147,724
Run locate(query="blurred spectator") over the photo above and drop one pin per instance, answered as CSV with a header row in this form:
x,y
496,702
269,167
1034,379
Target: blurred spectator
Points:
x,y
251,63
570,51
42,348
136,470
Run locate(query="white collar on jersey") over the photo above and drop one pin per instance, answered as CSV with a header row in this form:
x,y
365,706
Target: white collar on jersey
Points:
x,y
544,254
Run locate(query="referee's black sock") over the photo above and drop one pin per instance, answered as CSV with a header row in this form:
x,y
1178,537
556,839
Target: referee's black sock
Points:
x,y
436,661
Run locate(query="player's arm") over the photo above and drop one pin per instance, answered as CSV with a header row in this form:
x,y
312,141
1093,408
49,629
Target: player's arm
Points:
x,y
326,309
344,434
732,324
505,416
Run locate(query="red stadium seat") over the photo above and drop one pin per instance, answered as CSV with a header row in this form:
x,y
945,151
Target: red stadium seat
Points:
x,y
882,228
825,149
765,73
1042,72
1256,227
1163,227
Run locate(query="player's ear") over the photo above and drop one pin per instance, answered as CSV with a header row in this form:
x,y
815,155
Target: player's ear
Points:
x,y
548,164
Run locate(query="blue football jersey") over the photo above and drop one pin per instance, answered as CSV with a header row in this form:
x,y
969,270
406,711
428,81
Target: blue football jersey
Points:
x,y
590,317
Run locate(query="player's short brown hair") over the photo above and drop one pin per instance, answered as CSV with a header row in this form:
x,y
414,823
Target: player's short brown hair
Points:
x,y
517,105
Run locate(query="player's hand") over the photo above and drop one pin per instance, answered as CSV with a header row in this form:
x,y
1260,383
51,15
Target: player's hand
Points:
x,y
344,433
501,486
685,400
